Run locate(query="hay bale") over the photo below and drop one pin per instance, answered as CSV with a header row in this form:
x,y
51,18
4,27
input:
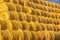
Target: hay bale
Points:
x,y
33,5
4,15
28,18
28,3
45,3
55,21
26,9
43,26
39,35
50,20
34,18
49,4
15,25
52,10
22,2
11,6
52,4
32,26
5,35
13,15
38,27
57,35
58,27
22,16
58,16
6,0
3,6
38,12
18,8
33,11
5,25
41,7
36,6
53,15
48,14
41,2
45,8
25,25
44,19
36,1
48,27
58,21
52,35
21,35
43,13
27,35
54,27
16,35
15,1
33,35
43,35
39,19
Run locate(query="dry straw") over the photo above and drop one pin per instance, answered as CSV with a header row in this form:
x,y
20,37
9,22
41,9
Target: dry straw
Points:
x,y
57,35
22,2
52,35
22,16
43,26
27,35
58,27
18,8
15,1
38,12
26,9
13,15
49,28
34,18
4,15
16,25
43,35
43,13
38,27
5,35
5,25
44,19
28,18
58,16
33,35
3,6
16,35
25,25
54,27
39,19
33,11
32,26
11,6
48,14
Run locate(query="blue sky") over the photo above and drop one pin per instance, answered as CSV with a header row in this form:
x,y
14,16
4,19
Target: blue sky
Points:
x,y
56,1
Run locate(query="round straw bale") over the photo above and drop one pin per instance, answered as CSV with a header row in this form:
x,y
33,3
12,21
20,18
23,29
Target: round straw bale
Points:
x,y
32,26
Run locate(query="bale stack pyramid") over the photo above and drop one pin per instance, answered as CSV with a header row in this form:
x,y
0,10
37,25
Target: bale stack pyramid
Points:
x,y
29,20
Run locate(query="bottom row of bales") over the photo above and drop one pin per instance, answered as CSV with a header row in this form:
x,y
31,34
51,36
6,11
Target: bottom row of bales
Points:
x,y
31,26
29,35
